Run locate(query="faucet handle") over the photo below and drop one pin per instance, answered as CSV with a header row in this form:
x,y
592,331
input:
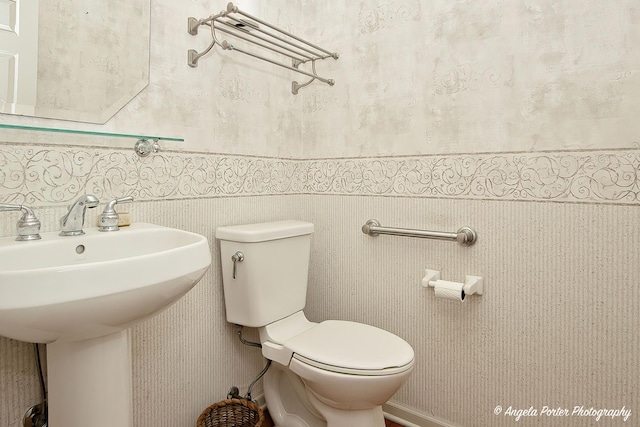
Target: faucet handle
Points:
x,y
8,207
113,202
28,227
109,218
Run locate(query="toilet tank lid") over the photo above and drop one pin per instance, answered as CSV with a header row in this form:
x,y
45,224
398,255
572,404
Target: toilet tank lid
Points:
x,y
264,231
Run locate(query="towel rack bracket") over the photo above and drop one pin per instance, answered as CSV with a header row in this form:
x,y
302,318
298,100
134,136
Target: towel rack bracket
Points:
x,y
467,236
366,228
192,58
192,26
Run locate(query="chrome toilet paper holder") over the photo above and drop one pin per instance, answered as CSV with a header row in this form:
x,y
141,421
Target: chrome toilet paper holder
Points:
x,y
472,284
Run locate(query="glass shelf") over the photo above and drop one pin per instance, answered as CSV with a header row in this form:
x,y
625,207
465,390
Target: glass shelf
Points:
x,y
87,132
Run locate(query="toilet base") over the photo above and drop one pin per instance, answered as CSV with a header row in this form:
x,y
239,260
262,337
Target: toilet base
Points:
x,y
287,399
291,404
349,418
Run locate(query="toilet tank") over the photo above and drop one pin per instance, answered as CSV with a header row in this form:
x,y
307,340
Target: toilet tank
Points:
x,y
271,281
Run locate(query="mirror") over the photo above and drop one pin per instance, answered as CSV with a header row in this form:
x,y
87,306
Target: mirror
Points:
x,y
72,60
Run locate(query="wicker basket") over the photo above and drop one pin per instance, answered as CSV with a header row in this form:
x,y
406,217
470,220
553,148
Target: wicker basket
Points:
x,y
231,413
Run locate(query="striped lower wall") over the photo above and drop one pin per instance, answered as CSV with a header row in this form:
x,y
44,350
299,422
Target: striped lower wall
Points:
x,y
19,386
557,325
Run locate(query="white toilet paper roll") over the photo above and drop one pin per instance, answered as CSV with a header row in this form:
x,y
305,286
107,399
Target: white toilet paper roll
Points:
x,y
449,290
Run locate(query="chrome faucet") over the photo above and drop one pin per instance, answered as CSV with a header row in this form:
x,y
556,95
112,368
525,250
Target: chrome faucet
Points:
x,y
28,227
73,221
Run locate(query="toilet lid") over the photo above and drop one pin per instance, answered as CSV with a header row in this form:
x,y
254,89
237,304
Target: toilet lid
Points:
x,y
351,345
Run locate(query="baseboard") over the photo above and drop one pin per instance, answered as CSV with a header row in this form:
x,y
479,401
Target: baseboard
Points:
x,y
410,418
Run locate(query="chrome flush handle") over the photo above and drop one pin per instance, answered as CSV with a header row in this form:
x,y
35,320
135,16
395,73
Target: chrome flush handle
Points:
x,y
236,258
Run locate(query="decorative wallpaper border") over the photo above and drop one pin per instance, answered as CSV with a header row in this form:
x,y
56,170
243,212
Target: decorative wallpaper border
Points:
x,y
47,175
595,176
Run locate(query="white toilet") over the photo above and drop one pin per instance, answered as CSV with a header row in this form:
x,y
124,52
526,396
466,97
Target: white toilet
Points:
x,y
334,373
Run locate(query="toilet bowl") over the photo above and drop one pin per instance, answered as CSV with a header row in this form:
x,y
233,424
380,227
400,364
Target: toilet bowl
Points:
x,y
347,369
330,374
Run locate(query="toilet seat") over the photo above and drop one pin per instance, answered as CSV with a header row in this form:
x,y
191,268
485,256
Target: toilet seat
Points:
x,y
352,371
351,348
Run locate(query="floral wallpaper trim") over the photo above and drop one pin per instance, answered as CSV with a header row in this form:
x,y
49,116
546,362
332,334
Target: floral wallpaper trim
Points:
x,y
39,175
45,175
563,176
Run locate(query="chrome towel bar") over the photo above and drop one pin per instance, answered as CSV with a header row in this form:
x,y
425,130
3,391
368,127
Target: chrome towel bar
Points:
x,y
466,236
258,35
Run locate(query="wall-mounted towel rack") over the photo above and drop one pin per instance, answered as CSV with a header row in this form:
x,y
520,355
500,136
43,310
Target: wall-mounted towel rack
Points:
x,y
466,236
274,39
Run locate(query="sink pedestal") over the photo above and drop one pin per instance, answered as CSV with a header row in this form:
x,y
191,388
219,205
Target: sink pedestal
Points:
x,y
90,382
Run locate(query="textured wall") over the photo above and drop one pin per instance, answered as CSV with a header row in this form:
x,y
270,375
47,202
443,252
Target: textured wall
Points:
x,y
19,384
546,91
557,325
546,264
188,357
229,103
470,76
102,64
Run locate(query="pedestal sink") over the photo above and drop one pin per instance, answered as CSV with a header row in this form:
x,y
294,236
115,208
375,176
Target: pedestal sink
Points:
x,y
79,295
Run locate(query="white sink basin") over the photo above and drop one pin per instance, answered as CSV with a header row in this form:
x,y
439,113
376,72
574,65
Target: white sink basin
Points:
x,y
81,287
